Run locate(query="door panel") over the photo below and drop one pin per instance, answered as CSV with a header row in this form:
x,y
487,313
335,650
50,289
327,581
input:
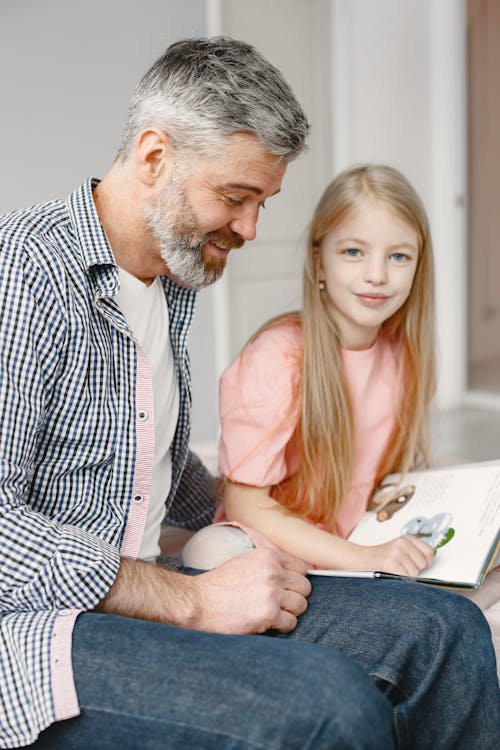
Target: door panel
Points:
x,y
484,193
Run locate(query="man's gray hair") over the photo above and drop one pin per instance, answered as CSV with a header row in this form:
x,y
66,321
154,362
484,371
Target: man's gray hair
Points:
x,y
203,89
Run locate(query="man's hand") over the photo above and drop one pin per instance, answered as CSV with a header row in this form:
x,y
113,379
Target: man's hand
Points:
x,y
252,593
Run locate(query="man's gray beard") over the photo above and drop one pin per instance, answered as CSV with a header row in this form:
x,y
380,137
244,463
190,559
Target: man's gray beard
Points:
x,y
180,244
185,262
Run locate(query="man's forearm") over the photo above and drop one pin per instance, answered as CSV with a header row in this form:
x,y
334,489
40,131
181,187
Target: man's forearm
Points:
x,y
252,593
150,592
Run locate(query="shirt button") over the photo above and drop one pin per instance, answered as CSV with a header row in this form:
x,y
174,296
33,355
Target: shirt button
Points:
x,y
138,498
142,415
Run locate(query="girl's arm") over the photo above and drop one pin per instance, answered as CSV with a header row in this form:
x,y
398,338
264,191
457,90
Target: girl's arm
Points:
x,y
255,508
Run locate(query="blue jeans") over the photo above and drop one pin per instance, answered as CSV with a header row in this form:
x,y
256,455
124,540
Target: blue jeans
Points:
x,y
145,686
397,663
430,655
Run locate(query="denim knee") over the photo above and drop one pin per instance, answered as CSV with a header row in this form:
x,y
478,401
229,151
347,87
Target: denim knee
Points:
x,y
458,621
467,626
339,706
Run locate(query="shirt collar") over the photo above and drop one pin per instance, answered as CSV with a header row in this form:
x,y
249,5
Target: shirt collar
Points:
x,y
94,245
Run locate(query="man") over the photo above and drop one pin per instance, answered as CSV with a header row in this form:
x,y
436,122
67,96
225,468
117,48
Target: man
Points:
x,y
96,298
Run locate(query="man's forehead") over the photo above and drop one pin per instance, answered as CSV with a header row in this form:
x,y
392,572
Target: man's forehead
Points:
x,y
242,160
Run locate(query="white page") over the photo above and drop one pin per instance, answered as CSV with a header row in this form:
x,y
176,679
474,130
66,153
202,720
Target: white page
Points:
x,y
465,499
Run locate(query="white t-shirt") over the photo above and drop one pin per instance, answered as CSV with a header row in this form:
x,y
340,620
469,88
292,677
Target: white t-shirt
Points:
x,y
146,312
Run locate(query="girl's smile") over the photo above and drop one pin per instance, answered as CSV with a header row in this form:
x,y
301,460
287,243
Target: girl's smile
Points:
x,y
372,300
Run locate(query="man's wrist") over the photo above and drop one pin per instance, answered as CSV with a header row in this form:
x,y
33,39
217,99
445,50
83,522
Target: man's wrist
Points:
x,y
151,592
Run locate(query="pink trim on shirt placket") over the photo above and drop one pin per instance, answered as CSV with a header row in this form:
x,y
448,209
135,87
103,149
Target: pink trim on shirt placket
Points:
x,y
61,672
145,443
63,687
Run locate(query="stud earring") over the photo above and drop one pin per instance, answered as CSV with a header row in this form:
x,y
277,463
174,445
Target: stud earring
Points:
x,y
321,286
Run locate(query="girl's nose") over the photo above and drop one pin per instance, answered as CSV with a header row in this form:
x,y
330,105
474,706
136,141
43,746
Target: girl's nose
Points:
x,y
375,272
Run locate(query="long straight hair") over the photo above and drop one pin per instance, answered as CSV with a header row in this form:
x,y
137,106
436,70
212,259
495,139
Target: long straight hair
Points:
x,y
325,431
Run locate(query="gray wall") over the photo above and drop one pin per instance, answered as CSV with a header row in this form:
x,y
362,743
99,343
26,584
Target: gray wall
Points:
x,y
67,70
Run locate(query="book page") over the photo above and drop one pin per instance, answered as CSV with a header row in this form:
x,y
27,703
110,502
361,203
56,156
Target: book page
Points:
x,y
456,510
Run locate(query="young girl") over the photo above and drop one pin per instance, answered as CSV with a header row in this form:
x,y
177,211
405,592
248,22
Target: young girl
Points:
x,y
322,404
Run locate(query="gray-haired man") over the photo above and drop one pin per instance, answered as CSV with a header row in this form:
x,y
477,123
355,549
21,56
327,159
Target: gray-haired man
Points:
x,y
97,294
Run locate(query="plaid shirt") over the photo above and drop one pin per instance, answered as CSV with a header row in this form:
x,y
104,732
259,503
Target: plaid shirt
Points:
x,y
76,447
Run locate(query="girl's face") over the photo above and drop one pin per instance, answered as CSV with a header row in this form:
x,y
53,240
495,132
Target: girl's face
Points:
x,y
368,263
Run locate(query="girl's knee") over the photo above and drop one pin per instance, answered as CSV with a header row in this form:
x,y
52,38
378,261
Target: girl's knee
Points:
x,y
215,545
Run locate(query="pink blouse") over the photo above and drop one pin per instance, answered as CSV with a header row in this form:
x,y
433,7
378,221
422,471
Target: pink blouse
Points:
x,y
259,414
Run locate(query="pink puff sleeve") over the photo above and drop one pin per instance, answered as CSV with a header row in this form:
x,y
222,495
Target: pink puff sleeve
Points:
x,y
259,408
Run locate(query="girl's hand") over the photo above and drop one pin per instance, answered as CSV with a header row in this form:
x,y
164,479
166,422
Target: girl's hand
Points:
x,y
406,555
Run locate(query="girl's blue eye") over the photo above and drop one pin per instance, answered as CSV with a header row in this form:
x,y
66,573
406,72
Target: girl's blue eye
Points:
x,y
352,252
399,257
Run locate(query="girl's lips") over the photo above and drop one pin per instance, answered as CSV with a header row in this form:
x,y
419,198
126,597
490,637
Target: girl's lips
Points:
x,y
372,300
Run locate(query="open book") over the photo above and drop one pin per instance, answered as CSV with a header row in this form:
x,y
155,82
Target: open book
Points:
x,y
455,509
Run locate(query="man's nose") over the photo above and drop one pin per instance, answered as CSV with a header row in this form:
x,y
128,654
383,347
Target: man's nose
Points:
x,y
245,224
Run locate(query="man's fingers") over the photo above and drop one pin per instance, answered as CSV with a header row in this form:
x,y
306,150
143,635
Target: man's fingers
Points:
x,y
290,562
297,582
293,602
285,622
291,568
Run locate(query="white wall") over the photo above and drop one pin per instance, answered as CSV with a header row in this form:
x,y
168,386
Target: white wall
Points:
x,y
380,88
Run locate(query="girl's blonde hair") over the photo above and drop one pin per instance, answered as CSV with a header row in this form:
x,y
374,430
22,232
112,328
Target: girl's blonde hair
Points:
x,y
325,433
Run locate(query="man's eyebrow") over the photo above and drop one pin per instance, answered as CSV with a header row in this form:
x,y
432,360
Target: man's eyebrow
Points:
x,y
245,186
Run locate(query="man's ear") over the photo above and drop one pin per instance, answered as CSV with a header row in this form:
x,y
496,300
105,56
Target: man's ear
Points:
x,y
153,154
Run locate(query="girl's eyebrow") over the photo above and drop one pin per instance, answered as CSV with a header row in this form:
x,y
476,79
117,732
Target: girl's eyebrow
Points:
x,y
353,240
396,246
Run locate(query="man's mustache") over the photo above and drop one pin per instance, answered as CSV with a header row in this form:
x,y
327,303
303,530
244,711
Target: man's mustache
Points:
x,y
225,240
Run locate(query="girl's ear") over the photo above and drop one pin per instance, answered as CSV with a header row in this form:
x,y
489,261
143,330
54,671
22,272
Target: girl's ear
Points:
x,y
320,276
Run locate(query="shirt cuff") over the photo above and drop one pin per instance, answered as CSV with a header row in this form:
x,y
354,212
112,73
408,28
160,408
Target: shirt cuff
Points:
x,y
63,685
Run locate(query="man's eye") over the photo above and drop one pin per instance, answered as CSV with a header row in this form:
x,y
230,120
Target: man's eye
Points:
x,y
233,201
262,204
